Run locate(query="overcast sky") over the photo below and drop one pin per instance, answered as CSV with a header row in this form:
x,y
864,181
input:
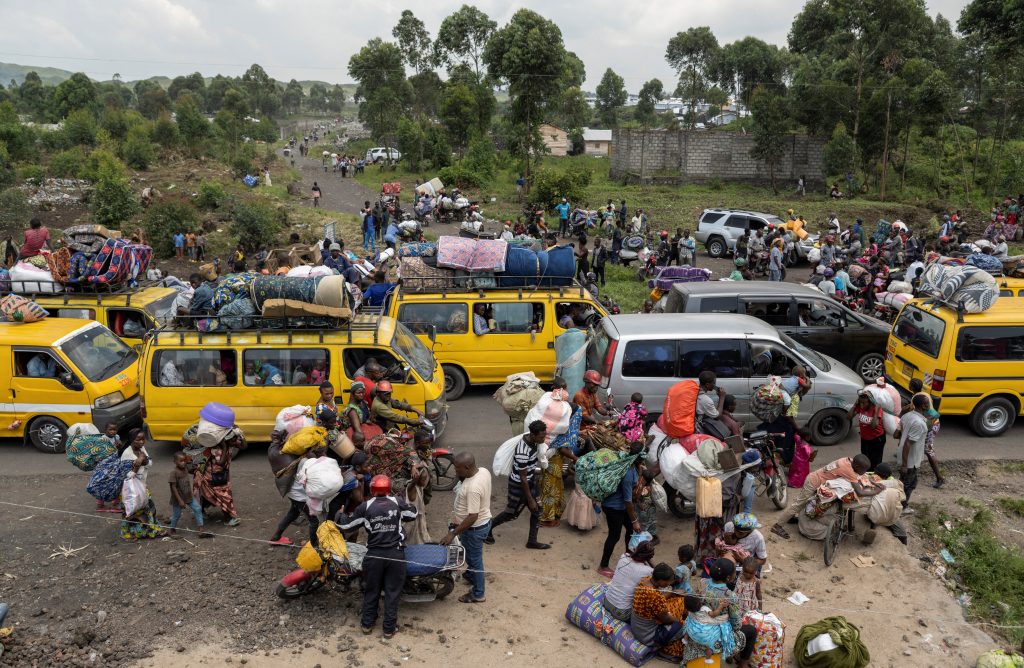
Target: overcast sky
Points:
x,y
313,39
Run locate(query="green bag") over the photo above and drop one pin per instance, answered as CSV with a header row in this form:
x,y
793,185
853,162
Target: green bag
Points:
x,y
599,473
849,652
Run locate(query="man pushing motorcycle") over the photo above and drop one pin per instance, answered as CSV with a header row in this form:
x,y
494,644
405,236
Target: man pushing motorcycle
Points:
x,y
384,565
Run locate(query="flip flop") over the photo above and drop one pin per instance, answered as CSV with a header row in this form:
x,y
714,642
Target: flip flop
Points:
x,y
779,531
281,541
468,598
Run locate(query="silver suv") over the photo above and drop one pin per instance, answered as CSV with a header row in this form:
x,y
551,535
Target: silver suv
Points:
x,y
718,230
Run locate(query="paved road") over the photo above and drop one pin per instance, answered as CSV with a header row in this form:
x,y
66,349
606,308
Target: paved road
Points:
x,y
477,424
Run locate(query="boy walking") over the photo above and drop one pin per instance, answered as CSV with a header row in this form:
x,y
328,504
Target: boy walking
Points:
x,y
181,495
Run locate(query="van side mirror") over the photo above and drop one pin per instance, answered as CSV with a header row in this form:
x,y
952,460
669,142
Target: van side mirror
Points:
x,y
432,334
70,381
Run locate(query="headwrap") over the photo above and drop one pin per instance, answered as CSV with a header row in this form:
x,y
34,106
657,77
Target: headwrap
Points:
x,y
745,522
357,385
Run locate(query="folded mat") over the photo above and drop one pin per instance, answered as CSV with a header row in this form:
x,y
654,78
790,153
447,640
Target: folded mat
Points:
x,y
282,287
489,255
417,249
587,612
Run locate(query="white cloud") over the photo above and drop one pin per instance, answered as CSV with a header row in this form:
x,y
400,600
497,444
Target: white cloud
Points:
x,y
313,39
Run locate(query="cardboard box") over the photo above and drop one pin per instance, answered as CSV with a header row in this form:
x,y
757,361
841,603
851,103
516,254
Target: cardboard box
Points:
x,y
728,460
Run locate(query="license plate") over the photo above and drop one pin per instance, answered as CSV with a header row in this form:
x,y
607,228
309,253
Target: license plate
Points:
x,y
908,371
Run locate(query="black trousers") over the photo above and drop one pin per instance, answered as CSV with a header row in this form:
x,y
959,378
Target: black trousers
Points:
x,y
599,271
617,520
383,571
873,449
516,503
909,480
750,633
294,510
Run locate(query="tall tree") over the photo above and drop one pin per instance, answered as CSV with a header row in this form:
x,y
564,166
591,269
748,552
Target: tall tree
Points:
x,y
528,55
193,83
463,36
750,62
694,55
293,96
414,42
383,91
192,124
650,93
458,114
611,94
33,96
335,98
78,92
771,122
152,100
261,89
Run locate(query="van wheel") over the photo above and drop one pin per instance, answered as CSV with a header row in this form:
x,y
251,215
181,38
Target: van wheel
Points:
x,y
454,382
48,435
716,247
830,426
871,366
993,416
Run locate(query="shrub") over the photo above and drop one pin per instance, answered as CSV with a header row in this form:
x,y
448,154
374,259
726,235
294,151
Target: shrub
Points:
x,y
165,132
69,164
114,121
6,170
550,186
459,175
14,210
33,173
481,159
165,217
840,153
137,149
80,127
211,195
113,201
256,224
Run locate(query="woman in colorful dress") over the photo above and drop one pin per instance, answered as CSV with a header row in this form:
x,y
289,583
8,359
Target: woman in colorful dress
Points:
x,y
717,592
354,418
212,479
142,523
552,485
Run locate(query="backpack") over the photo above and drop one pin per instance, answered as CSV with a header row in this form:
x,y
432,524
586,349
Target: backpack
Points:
x,y
680,409
599,473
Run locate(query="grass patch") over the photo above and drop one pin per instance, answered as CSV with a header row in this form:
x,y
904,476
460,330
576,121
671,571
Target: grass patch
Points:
x,y
971,504
624,287
801,557
992,573
1012,467
1011,506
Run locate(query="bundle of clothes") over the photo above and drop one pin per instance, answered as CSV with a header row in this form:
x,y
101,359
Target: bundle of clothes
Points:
x,y
91,256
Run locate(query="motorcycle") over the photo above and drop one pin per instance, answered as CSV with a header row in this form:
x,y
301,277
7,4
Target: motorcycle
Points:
x,y
582,221
442,460
759,264
429,576
634,247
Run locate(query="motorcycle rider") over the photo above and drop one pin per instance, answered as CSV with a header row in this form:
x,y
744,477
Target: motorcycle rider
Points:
x,y
384,410
384,564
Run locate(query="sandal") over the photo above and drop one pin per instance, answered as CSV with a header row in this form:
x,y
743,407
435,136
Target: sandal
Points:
x,y
284,540
468,598
779,531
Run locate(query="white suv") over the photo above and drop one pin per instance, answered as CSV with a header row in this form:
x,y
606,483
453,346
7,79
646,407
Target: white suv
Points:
x,y
718,230
380,153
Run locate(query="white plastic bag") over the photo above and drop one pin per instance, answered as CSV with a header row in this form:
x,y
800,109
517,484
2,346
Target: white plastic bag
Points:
x,y
503,457
323,479
294,418
659,496
888,399
82,429
133,495
27,277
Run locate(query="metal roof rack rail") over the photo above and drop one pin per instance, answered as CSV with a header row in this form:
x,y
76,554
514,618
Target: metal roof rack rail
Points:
x,y
263,326
467,284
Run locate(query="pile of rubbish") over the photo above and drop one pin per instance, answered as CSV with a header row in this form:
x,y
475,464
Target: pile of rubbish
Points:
x,y
57,192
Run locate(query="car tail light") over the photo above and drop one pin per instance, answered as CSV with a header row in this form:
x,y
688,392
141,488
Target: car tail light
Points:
x,y
609,358
938,380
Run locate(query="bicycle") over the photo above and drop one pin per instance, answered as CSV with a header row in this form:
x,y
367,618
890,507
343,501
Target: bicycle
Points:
x,y
840,524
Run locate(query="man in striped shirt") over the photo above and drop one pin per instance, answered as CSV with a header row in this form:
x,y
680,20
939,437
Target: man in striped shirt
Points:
x,y
522,485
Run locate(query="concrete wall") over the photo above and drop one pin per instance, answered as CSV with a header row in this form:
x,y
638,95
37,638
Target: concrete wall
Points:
x,y
691,156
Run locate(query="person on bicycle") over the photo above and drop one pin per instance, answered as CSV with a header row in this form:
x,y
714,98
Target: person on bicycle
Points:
x,y
851,469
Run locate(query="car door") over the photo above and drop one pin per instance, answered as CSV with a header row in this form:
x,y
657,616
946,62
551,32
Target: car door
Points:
x,y
822,325
777,311
725,358
735,226
769,358
48,395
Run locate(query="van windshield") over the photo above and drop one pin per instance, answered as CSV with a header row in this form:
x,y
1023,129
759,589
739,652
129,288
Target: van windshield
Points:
x,y
98,354
414,352
819,362
920,330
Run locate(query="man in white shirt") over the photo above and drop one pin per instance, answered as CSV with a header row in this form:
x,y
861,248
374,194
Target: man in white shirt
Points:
x,y
913,432
473,520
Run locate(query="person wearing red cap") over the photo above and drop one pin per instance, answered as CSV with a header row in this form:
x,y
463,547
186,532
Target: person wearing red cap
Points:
x,y
384,410
384,564
587,399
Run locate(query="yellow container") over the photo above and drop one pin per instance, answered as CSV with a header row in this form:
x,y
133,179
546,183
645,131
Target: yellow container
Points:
x,y
714,662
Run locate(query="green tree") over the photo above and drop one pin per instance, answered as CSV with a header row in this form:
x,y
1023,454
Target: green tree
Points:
x,y
528,55
481,159
383,90
749,62
650,93
78,92
192,124
410,139
771,122
293,96
112,201
18,139
840,153
137,150
165,132
611,94
115,122
80,127
193,84
7,173
694,55
414,42
256,224
261,90
458,114
14,211
33,96
215,91
426,87
462,38
166,217
335,98
152,99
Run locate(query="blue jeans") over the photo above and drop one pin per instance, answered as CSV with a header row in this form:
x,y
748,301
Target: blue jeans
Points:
x,y
369,240
473,541
197,513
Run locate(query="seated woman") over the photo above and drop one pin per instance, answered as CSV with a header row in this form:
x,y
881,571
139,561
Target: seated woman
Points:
x,y
717,592
657,615
634,565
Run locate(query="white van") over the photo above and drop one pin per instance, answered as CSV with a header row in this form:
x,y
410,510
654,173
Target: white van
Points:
x,y
382,153
650,353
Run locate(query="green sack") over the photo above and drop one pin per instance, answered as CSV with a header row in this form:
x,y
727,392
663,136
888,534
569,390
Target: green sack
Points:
x,y
849,652
997,658
599,473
